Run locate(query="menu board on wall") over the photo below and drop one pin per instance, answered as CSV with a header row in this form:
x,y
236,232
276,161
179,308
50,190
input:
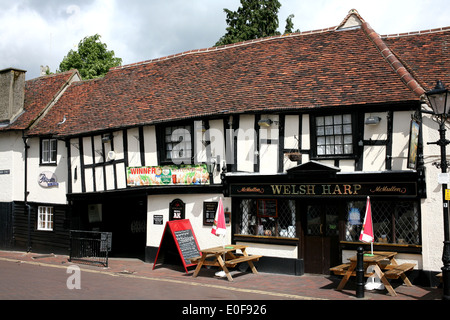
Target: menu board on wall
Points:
x,y
209,212
179,237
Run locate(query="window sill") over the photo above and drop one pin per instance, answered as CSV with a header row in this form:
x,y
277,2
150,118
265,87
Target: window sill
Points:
x,y
266,239
401,248
334,157
48,164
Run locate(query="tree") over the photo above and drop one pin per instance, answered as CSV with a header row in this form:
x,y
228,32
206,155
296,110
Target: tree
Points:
x,y
254,19
290,25
92,59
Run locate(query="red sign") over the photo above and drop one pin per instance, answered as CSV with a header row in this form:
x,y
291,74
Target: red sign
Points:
x,y
180,235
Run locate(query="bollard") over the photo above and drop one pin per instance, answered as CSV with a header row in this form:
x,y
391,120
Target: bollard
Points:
x,y
359,273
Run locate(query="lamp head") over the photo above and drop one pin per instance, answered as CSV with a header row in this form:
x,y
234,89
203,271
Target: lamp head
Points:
x,y
439,99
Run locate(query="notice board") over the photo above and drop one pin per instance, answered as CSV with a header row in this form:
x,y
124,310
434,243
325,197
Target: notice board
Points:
x,y
178,239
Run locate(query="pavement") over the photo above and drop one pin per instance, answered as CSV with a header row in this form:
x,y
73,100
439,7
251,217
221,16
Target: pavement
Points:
x,y
266,286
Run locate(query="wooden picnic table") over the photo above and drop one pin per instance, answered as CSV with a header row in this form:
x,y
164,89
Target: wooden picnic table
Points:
x,y
385,267
224,257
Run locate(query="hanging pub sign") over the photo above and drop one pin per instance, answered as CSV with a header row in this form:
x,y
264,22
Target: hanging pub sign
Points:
x,y
413,144
176,210
168,175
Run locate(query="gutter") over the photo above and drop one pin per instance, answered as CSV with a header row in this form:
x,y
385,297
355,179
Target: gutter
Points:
x,y
26,192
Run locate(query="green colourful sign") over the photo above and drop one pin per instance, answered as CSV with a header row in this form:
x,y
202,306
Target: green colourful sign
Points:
x,y
168,175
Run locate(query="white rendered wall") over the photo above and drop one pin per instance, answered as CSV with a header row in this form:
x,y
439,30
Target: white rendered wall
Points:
x,y
159,205
432,206
12,159
37,193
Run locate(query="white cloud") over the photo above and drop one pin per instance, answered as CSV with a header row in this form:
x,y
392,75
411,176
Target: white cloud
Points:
x,y
34,33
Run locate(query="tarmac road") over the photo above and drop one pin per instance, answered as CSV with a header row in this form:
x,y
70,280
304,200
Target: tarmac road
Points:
x,y
45,278
26,281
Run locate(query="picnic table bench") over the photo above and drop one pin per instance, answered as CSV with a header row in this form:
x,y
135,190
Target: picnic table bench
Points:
x,y
385,267
224,258
343,268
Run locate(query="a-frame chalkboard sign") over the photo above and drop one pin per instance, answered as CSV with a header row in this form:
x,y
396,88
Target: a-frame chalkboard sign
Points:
x,y
178,237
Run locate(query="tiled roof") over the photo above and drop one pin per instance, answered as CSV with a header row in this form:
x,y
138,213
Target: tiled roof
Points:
x,y
393,60
425,53
305,70
39,93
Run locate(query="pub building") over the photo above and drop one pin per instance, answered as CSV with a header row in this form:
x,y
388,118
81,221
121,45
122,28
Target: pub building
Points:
x,y
292,132
314,213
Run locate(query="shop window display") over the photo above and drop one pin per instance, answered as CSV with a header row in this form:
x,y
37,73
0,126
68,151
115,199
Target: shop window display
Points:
x,y
393,222
267,217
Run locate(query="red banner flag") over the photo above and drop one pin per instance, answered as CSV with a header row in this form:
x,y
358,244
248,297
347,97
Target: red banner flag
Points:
x,y
367,227
219,227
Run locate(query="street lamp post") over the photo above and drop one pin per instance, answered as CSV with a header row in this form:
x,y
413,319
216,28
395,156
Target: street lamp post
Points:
x,y
439,99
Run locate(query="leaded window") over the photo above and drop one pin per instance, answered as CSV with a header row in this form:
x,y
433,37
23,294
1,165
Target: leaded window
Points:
x,y
334,135
267,217
393,222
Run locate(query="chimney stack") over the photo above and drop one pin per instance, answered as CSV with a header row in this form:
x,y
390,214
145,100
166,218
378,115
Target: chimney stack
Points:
x,y
12,94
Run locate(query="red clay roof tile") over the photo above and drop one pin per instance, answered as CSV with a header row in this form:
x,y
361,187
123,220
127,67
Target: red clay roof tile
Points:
x,y
325,68
39,93
426,54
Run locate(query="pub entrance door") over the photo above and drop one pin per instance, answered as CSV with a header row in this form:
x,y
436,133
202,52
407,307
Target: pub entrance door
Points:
x,y
321,237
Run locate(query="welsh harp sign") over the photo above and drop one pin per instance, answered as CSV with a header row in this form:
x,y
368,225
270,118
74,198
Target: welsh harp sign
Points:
x,y
325,189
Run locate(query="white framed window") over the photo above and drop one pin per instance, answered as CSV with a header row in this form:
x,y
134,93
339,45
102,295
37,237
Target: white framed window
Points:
x,y
334,135
48,151
45,218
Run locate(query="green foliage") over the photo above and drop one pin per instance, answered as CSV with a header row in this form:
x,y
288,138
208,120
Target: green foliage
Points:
x,y
92,59
290,25
254,19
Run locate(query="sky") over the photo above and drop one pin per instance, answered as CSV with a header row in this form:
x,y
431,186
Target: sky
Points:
x,y
36,33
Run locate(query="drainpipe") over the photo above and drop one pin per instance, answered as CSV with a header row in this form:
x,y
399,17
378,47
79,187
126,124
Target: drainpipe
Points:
x,y
26,147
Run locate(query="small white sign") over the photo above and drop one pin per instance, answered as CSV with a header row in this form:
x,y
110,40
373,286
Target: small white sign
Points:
x,y
443,178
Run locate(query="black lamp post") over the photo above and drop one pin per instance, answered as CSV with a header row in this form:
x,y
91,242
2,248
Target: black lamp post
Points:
x,y
439,99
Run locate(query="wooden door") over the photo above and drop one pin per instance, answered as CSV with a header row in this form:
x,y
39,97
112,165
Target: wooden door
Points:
x,y
321,238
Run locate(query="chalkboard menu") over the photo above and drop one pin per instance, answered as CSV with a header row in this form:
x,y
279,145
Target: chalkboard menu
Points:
x,y
209,212
187,245
179,236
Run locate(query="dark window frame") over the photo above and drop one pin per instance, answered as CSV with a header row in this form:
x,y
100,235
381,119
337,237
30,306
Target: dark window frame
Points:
x,y
162,143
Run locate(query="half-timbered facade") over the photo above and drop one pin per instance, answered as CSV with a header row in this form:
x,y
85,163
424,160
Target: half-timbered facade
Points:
x,y
293,132
33,211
